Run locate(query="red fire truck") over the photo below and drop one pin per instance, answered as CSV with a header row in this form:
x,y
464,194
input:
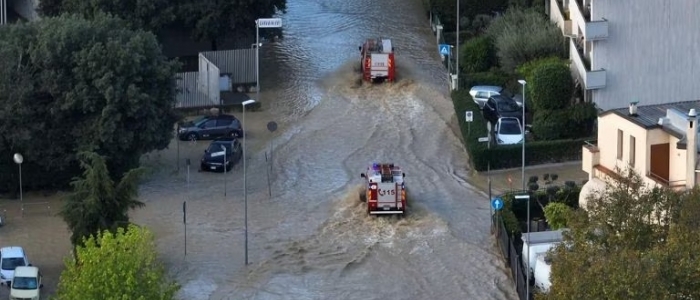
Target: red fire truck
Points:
x,y
378,60
385,190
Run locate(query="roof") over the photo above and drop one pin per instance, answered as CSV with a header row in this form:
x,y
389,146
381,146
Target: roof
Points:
x,y
12,251
26,272
648,116
543,237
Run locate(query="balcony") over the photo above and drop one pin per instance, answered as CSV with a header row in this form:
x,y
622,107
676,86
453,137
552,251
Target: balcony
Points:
x,y
591,157
559,17
592,80
581,18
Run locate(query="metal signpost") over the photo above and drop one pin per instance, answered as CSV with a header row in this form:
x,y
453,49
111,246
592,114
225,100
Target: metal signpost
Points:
x,y
271,126
184,221
19,159
457,56
469,118
262,23
523,83
487,140
527,268
245,178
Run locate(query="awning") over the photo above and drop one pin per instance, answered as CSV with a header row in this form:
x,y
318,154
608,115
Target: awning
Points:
x,y
591,187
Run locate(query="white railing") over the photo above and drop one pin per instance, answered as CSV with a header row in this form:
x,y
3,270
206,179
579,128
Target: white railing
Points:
x,y
592,80
557,16
592,30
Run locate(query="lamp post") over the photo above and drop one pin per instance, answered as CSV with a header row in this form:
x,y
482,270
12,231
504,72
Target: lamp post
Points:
x,y
19,159
245,179
457,56
527,267
225,169
523,83
257,46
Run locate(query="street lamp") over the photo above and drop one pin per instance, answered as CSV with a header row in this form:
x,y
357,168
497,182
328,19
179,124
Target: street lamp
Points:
x,y
523,83
19,159
529,253
245,178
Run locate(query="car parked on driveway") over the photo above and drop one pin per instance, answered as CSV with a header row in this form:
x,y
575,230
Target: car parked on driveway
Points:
x,y
500,106
10,259
222,153
481,93
26,284
210,127
508,131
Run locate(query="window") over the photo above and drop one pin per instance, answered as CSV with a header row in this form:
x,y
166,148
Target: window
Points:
x,y
224,122
508,106
482,94
620,136
633,141
210,124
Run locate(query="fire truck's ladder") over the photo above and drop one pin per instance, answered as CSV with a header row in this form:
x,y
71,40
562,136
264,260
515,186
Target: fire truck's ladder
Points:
x,y
387,174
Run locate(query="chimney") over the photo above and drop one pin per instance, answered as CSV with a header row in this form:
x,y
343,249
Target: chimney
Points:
x,y
691,135
633,108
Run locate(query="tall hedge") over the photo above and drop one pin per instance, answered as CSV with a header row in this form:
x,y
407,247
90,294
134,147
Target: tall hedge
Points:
x,y
551,86
478,55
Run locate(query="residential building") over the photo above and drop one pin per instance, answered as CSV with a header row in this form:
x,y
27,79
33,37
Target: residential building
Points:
x,y
641,47
660,142
15,10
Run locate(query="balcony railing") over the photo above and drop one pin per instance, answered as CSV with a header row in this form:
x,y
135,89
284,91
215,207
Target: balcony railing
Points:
x,y
592,80
559,17
591,30
590,157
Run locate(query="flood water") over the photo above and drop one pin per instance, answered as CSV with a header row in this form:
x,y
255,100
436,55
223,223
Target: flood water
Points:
x,y
312,238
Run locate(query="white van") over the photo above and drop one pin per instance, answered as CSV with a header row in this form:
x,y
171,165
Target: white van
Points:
x,y
535,243
26,283
543,269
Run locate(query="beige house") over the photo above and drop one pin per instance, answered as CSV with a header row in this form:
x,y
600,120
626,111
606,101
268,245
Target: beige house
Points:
x,y
659,141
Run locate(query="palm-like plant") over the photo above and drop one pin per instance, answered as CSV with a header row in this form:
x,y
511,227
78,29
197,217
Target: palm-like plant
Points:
x,y
97,203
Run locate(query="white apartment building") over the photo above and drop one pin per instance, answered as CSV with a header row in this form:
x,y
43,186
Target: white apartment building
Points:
x,y
632,50
12,10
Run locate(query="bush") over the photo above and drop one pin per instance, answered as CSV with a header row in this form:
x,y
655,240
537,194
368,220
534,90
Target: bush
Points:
x,y
551,86
556,215
477,55
525,70
547,124
524,35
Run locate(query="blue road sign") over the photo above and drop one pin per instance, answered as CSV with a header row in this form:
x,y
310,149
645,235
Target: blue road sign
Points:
x,y
444,49
497,203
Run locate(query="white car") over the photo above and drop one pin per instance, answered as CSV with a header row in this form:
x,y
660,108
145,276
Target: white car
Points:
x,y
481,93
10,259
26,284
508,131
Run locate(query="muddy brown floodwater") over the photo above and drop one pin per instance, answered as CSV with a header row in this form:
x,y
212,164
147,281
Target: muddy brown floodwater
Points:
x,y
312,238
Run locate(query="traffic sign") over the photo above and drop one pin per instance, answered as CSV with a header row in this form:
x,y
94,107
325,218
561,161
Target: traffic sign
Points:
x,y
272,126
444,49
484,139
270,23
497,203
469,116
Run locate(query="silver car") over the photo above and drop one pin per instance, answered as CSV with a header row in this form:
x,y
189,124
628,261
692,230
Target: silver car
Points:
x,y
481,93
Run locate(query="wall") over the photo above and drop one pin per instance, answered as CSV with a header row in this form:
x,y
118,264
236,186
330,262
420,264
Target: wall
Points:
x,y
677,163
607,143
651,54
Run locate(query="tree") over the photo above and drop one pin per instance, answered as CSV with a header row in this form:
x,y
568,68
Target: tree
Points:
x,y
634,242
96,202
114,266
551,86
522,35
82,85
478,55
556,214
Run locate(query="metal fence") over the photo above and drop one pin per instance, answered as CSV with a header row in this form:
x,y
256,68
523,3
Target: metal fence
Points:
x,y
435,24
188,95
511,256
239,63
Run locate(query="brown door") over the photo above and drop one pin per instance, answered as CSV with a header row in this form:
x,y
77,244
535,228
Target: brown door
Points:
x,y
660,161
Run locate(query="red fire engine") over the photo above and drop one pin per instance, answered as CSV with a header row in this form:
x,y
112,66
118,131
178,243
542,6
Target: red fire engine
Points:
x,y
385,190
378,60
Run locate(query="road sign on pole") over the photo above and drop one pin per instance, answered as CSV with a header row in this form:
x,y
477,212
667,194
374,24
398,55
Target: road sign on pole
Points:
x,y
270,23
497,203
469,116
444,49
484,139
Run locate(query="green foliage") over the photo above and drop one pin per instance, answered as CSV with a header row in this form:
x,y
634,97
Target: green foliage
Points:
x,y
547,124
81,85
510,221
116,266
97,203
484,78
551,86
634,242
522,35
150,15
526,69
469,10
477,55
556,215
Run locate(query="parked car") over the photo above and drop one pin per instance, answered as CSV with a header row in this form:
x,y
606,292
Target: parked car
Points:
x,y
26,284
499,106
222,153
10,259
508,131
209,127
481,93
543,269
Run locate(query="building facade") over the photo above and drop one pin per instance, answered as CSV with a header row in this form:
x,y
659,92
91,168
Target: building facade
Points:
x,y
643,48
659,142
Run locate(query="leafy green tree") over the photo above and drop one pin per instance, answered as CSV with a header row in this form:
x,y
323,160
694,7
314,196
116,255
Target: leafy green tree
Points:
x,y
478,55
115,266
469,10
150,15
633,242
521,35
82,85
551,86
556,214
97,203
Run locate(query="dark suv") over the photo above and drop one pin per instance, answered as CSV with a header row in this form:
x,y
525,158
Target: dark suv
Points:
x,y
222,153
499,106
209,127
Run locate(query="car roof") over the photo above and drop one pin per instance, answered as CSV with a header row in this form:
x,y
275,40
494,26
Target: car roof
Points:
x,y
487,88
26,272
224,139
12,251
501,98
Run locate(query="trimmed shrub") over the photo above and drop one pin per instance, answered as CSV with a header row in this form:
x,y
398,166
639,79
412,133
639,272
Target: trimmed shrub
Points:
x,y
477,55
551,86
548,124
556,215
525,70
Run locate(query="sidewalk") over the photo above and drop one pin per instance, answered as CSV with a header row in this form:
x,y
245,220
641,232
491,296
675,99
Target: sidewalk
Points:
x,y
500,183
